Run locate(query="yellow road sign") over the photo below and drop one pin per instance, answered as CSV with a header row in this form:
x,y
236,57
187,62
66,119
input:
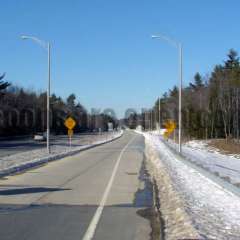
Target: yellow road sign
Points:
x,y
170,126
70,123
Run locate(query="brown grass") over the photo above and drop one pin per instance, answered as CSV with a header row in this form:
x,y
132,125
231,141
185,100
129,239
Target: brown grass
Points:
x,y
229,146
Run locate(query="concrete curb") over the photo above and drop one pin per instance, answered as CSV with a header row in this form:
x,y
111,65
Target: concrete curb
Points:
x,y
19,168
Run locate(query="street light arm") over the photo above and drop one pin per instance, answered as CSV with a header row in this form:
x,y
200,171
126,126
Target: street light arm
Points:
x,y
37,40
167,39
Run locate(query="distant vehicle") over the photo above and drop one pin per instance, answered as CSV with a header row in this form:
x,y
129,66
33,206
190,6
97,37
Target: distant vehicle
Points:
x,y
40,137
139,128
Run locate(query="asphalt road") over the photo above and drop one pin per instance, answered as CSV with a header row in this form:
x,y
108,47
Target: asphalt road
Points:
x,y
102,193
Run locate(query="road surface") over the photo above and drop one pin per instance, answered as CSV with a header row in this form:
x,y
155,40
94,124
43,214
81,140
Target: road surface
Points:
x,y
102,193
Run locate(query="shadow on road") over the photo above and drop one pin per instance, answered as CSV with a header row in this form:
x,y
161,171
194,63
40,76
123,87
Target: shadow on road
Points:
x,y
30,190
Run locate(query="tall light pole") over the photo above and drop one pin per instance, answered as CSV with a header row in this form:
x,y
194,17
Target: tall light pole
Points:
x,y
159,113
150,112
155,117
178,45
150,122
46,46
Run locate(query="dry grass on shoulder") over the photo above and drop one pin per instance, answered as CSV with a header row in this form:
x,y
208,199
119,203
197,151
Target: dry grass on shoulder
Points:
x,y
227,147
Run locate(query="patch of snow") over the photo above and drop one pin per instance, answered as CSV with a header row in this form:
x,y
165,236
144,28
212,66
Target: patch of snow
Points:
x,y
224,165
214,211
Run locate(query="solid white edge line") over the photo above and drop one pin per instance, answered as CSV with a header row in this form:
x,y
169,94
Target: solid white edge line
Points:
x,y
93,224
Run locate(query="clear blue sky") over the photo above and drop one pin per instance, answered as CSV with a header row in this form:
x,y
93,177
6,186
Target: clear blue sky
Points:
x,y
102,50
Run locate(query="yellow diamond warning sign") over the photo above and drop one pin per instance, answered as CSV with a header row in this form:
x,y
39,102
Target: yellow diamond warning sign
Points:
x,y
70,123
170,126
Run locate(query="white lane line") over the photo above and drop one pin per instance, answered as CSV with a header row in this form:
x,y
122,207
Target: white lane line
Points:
x,y
93,224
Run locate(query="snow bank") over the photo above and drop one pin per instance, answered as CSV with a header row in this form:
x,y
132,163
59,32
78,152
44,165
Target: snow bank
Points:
x,y
222,165
213,211
177,224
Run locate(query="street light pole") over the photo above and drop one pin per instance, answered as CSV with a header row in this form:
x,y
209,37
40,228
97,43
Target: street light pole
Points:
x,y
180,102
46,46
151,120
48,98
155,117
159,113
178,45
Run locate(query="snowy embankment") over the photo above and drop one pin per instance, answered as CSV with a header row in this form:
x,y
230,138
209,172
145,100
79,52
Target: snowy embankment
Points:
x,y
189,198
29,159
222,165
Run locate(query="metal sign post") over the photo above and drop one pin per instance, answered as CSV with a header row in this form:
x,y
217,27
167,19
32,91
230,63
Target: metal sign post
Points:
x,y
70,123
70,133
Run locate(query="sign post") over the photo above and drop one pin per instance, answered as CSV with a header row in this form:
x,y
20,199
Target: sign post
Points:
x,y
70,123
70,133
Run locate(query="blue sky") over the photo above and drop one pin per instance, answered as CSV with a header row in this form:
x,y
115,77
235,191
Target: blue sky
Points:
x,y
102,50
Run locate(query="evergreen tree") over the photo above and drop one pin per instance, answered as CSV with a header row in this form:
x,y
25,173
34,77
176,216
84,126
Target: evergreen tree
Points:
x,y
71,100
198,81
3,85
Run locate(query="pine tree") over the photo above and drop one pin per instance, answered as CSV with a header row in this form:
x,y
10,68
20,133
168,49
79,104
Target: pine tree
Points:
x,y
3,85
198,80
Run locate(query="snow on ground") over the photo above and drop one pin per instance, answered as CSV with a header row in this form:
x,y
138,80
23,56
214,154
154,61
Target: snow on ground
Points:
x,y
215,212
225,165
204,145
58,148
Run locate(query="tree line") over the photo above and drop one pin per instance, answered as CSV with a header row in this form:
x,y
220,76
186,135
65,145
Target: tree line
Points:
x,y
210,104
23,112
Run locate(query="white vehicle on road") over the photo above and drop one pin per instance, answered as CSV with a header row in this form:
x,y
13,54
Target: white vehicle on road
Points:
x,y
40,137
